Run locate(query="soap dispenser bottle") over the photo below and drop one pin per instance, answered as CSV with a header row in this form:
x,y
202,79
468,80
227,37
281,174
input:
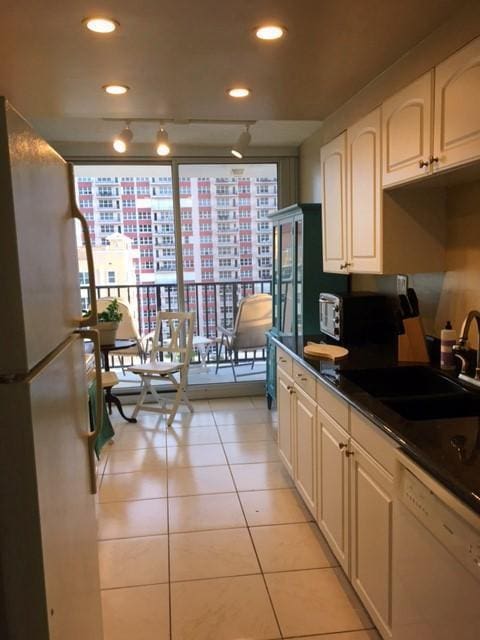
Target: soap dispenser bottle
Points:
x,y
448,338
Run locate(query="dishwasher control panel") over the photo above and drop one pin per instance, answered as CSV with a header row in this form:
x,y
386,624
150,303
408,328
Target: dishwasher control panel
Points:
x,y
459,538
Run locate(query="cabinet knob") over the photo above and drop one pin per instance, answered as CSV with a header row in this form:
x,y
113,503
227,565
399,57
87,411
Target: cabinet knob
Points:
x,y
342,445
433,159
345,265
423,163
349,453
289,388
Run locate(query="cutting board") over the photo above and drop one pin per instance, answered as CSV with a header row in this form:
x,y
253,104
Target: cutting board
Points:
x,y
328,351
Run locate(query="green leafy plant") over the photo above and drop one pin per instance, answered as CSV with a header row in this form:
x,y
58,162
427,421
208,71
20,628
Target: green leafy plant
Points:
x,y
111,313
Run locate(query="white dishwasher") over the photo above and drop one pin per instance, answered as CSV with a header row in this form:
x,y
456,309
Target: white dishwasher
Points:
x,y
436,560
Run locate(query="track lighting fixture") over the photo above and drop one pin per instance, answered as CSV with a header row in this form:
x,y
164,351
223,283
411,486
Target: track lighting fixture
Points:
x,y
121,142
239,148
163,147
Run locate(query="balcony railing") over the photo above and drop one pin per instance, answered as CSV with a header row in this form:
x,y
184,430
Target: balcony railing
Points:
x,y
214,304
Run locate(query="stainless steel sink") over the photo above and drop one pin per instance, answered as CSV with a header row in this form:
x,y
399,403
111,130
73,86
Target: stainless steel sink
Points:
x,y
402,381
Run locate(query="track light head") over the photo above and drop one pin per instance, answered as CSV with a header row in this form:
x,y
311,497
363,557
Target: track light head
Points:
x,y
163,147
239,148
121,142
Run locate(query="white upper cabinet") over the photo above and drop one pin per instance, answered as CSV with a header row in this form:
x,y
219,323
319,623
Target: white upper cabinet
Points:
x,y
364,196
457,108
334,209
369,234
407,132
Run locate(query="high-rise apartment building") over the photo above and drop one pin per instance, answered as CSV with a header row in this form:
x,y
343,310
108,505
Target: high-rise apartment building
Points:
x,y
225,231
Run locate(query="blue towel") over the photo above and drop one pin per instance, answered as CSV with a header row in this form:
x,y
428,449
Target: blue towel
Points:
x,y
106,430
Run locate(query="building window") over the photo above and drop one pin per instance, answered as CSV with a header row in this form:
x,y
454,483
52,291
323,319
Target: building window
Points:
x,y
111,277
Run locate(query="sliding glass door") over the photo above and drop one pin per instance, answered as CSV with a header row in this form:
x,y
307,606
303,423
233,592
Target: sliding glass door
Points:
x,y
187,235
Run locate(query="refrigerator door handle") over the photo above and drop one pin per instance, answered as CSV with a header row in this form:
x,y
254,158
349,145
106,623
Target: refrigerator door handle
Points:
x,y
91,318
92,334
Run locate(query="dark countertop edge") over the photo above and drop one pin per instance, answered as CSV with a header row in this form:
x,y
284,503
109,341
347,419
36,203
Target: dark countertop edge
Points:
x,y
458,490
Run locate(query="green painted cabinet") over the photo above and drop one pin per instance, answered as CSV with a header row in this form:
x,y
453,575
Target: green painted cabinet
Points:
x,y
298,278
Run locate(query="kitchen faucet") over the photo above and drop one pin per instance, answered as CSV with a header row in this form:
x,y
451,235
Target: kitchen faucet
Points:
x,y
461,349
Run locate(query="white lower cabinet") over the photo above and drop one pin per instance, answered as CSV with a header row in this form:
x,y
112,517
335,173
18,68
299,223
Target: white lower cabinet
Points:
x,y
305,467
285,419
371,506
332,483
345,481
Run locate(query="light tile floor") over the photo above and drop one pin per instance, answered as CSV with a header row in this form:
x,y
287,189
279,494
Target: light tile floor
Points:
x,y
202,535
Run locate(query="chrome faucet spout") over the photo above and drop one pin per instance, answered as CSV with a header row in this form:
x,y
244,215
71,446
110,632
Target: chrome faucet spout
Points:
x,y
461,348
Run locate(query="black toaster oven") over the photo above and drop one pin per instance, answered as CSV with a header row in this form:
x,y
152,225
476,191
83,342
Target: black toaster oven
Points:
x,y
356,318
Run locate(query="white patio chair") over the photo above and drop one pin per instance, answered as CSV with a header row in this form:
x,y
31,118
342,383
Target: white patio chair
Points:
x,y
169,361
253,320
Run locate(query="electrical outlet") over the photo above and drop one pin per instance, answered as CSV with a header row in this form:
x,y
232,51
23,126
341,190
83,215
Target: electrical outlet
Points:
x,y
402,285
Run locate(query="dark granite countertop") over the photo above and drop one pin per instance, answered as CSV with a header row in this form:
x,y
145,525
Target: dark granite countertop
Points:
x,y
428,442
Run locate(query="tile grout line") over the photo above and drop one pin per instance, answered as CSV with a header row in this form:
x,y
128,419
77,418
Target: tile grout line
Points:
x,y
151,535
277,622
206,493
211,578
159,467
168,545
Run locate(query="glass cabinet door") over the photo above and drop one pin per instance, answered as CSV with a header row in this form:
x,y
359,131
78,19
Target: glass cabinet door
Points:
x,y
275,275
299,274
287,302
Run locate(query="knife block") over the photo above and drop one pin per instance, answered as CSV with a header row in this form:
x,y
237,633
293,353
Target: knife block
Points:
x,y
411,345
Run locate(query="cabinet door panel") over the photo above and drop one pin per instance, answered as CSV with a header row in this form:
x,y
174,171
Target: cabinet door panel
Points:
x,y
332,161
332,511
371,536
407,131
364,195
457,113
285,417
305,451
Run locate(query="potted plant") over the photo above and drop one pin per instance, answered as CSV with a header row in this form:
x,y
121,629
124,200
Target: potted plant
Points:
x,y
108,321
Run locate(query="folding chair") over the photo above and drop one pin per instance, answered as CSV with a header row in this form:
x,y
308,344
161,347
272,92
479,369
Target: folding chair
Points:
x,y
169,361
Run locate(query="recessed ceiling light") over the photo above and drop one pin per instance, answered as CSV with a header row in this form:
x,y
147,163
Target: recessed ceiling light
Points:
x,y
100,25
238,92
270,32
115,89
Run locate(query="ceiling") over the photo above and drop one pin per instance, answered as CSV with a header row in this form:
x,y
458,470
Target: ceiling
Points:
x,y
179,58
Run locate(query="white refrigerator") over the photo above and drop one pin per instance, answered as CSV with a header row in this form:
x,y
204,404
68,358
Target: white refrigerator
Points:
x,y
49,584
